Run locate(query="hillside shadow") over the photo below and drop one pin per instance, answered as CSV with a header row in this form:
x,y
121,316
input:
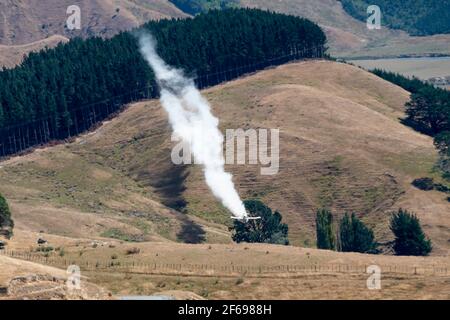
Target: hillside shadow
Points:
x,y
168,183
170,187
191,232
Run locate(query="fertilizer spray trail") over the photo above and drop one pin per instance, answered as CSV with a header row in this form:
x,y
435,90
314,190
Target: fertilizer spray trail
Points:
x,y
191,119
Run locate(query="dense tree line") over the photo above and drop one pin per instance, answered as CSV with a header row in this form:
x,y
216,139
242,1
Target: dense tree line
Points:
x,y
61,92
354,236
417,17
428,111
413,85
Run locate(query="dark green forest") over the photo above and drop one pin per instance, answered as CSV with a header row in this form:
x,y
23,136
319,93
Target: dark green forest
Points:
x,y
417,17
61,92
194,7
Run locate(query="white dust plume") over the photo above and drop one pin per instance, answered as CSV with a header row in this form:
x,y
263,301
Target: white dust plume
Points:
x,y
191,119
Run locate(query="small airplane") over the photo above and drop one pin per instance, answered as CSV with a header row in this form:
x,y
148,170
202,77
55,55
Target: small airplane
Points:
x,y
246,218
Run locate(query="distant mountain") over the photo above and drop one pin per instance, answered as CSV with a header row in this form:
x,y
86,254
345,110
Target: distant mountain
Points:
x,y
349,36
344,23
32,25
417,17
31,21
24,22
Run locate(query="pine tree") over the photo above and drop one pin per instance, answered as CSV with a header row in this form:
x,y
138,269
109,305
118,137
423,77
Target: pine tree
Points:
x,y
410,240
6,222
324,230
442,143
355,236
346,236
428,111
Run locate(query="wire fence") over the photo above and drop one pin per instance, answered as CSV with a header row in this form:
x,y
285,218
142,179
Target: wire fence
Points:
x,y
282,270
19,138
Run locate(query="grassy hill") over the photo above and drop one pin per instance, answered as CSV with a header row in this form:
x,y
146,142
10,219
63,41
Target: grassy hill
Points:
x,y
344,23
12,55
342,147
24,22
320,274
33,25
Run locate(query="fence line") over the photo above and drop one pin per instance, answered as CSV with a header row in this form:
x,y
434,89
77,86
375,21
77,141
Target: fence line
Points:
x,y
15,139
216,270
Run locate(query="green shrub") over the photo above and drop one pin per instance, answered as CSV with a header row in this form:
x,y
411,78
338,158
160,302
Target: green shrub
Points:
x,y
268,229
425,184
410,240
354,236
133,250
45,249
442,188
6,222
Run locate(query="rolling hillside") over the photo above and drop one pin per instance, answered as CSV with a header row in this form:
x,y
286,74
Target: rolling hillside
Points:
x,y
320,274
27,24
23,22
13,55
349,37
342,146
